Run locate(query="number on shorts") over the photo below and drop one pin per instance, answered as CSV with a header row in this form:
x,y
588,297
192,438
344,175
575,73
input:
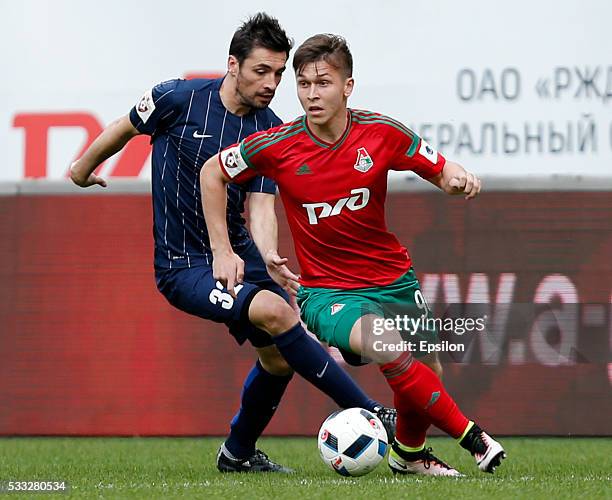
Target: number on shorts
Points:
x,y
420,302
224,299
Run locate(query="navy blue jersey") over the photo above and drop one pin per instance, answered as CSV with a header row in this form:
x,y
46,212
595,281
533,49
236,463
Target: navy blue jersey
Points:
x,y
188,124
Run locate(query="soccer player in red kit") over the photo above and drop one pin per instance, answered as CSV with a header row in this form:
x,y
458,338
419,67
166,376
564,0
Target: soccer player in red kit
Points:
x,y
331,168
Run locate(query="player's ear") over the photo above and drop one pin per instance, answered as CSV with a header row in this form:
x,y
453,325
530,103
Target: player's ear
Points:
x,y
232,65
348,87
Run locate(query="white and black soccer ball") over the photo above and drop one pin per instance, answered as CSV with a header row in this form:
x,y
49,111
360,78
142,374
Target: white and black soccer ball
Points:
x,y
352,442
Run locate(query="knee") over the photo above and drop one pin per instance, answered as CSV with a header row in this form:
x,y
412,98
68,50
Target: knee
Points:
x,y
272,314
279,317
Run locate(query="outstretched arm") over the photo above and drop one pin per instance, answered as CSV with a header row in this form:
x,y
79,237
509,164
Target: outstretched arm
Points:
x,y
111,140
454,179
264,229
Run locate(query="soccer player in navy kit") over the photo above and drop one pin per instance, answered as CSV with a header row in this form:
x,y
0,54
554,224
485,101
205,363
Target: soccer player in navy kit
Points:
x,y
190,121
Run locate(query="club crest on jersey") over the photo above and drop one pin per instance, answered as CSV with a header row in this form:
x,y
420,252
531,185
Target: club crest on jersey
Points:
x,y
364,160
336,308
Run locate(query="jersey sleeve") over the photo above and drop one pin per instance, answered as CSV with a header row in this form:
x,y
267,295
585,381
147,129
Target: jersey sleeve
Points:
x,y
411,152
157,107
252,157
262,184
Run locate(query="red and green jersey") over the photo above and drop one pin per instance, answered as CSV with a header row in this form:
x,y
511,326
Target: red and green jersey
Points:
x,y
334,194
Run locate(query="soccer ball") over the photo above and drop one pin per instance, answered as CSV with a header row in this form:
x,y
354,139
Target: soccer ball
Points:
x,y
352,442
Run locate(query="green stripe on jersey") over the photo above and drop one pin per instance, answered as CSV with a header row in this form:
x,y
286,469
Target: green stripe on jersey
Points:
x,y
245,157
413,137
369,121
349,126
338,143
412,149
264,145
271,137
267,136
312,137
369,117
378,118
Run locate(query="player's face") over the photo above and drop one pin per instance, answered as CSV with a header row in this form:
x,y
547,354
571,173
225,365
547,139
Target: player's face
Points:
x,y
258,76
323,91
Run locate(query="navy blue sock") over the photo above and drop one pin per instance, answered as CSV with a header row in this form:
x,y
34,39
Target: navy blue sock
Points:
x,y
261,394
308,358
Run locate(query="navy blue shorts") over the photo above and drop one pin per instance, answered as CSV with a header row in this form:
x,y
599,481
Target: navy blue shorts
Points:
x,y
195,291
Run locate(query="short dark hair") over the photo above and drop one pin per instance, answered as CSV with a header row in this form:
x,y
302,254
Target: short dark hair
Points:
x,y
332,49
260,30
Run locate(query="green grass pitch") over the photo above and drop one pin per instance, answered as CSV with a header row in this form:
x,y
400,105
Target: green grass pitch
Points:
x,y
548,468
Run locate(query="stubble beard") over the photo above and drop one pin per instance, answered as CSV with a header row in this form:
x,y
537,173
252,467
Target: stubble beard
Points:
x,y
246,100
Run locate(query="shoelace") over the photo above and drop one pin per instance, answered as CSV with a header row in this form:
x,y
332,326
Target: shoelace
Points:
x,y
429,457
261,456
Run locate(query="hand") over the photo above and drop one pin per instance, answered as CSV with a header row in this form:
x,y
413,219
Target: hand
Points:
x,y
280,273
79,180
466,183
228,269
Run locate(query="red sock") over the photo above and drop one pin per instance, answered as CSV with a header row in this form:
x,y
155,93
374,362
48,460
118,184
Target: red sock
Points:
x,y
412,428
418,389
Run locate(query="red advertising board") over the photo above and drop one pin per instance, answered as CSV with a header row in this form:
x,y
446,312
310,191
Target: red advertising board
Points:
x,y
89,347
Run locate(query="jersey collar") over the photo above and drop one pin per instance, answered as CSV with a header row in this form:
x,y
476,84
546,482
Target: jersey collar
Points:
x,y
325,144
